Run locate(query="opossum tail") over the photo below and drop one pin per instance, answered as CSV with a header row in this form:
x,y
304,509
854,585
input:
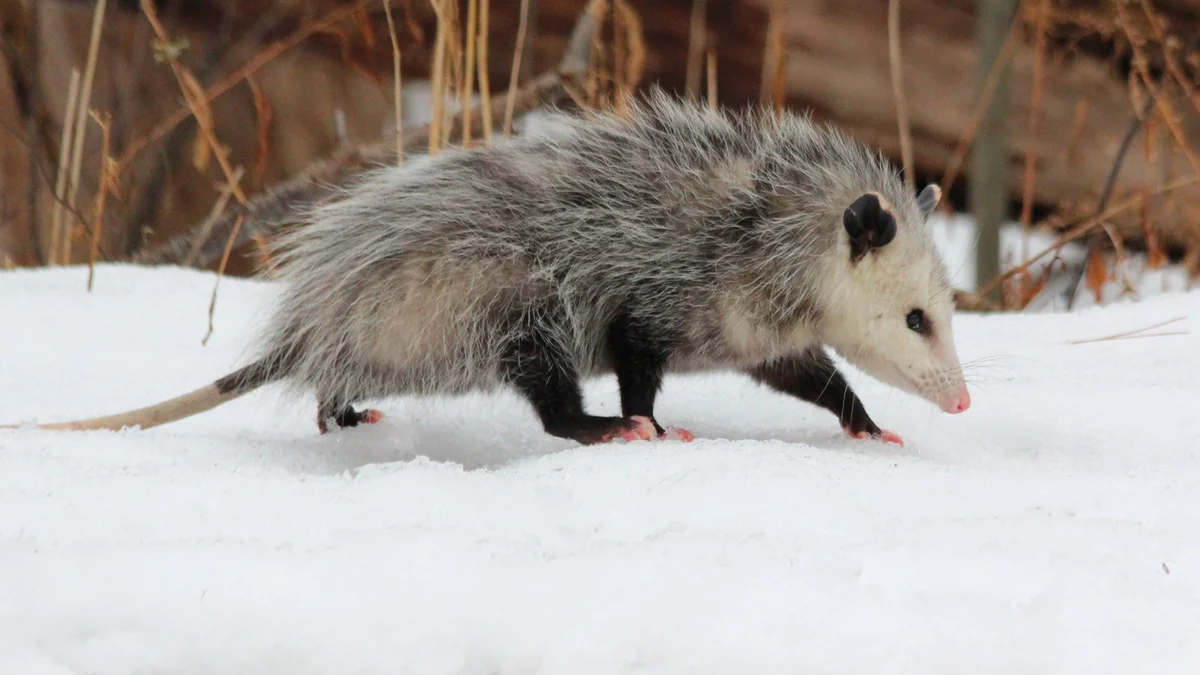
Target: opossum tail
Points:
x,y
224,390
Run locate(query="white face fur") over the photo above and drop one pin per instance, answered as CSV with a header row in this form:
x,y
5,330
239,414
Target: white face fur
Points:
x,y
891,301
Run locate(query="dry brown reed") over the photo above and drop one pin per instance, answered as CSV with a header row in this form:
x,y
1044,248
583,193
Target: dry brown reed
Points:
x,y
897,70
105,184
485,87
57,217
396,95
518,49
252,66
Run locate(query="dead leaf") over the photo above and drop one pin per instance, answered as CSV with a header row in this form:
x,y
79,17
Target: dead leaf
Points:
x,y
364,25
264,112
1096,273
194,92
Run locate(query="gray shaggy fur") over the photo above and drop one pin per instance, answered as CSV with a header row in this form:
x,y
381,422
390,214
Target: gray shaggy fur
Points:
x,y
419,277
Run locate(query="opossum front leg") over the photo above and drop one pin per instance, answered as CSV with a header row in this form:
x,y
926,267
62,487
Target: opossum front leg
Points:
x,y
639,359
539,370
811,376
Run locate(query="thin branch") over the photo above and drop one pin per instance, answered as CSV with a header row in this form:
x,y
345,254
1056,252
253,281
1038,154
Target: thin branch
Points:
x,y
213,215
1035,109
84,103
1140,332
696,46
438,77
103,186
712,79
235,78
985,100
48,179
485,87
1109,184
1185,83
60,183
212,305
281,203
469,69
387,9
1085,227
906,150
518,47
1169,115
191,93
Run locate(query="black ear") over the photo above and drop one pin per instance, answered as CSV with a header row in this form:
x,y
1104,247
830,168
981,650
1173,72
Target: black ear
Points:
x,y
928,200
870,225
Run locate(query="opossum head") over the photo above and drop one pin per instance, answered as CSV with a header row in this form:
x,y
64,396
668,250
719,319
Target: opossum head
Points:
x,y
889,300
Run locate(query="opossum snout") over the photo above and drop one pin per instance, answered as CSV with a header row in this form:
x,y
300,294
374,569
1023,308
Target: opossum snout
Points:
x,y
955,400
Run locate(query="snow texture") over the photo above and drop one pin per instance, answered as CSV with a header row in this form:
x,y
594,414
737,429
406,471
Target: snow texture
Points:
x,y
1050,529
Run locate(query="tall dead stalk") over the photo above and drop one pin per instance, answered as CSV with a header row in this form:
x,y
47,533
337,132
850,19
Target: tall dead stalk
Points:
x,y
518,48
81,118
193,95
230,81
906,151
396,102
437,77
212,304
485,87
1035,116
105,184
57,217
697,33
469,66
712,78
1166,110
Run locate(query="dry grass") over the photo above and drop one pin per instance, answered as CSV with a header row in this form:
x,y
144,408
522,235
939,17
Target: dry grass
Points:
x,y
511,100
107,183
615,69
57,221
897,69
396,82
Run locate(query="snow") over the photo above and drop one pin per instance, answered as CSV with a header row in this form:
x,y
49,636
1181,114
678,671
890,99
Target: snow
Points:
x,y
1050,529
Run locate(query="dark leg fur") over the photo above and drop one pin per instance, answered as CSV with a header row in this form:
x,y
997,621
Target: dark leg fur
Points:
x,y
638,360
812,377
543,374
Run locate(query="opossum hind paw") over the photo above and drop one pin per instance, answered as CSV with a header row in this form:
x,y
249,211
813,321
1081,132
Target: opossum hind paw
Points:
x,y
347,417
884,435
677,434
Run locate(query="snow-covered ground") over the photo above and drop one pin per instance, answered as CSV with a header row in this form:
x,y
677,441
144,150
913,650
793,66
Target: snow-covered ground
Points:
x,y
1053,528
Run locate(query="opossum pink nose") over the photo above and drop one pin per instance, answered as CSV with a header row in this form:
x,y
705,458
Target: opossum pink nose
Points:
x,y
957,401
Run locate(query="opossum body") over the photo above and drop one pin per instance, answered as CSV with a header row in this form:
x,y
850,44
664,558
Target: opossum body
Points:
x,y
671,239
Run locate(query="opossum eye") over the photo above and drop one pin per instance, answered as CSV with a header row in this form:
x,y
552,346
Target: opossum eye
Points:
x,y
917,323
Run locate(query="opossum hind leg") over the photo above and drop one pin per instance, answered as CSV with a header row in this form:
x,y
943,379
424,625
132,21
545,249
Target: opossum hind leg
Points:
x,y
544,376
639,359
344,415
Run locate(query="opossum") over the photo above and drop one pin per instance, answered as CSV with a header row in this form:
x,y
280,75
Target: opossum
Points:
x,y
668,238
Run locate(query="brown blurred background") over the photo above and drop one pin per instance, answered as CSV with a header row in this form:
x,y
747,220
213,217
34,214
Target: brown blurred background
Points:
x,y
1077,77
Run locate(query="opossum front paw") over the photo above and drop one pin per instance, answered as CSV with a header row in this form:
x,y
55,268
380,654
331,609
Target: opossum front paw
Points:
x,y
677,434
638,428
883,435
